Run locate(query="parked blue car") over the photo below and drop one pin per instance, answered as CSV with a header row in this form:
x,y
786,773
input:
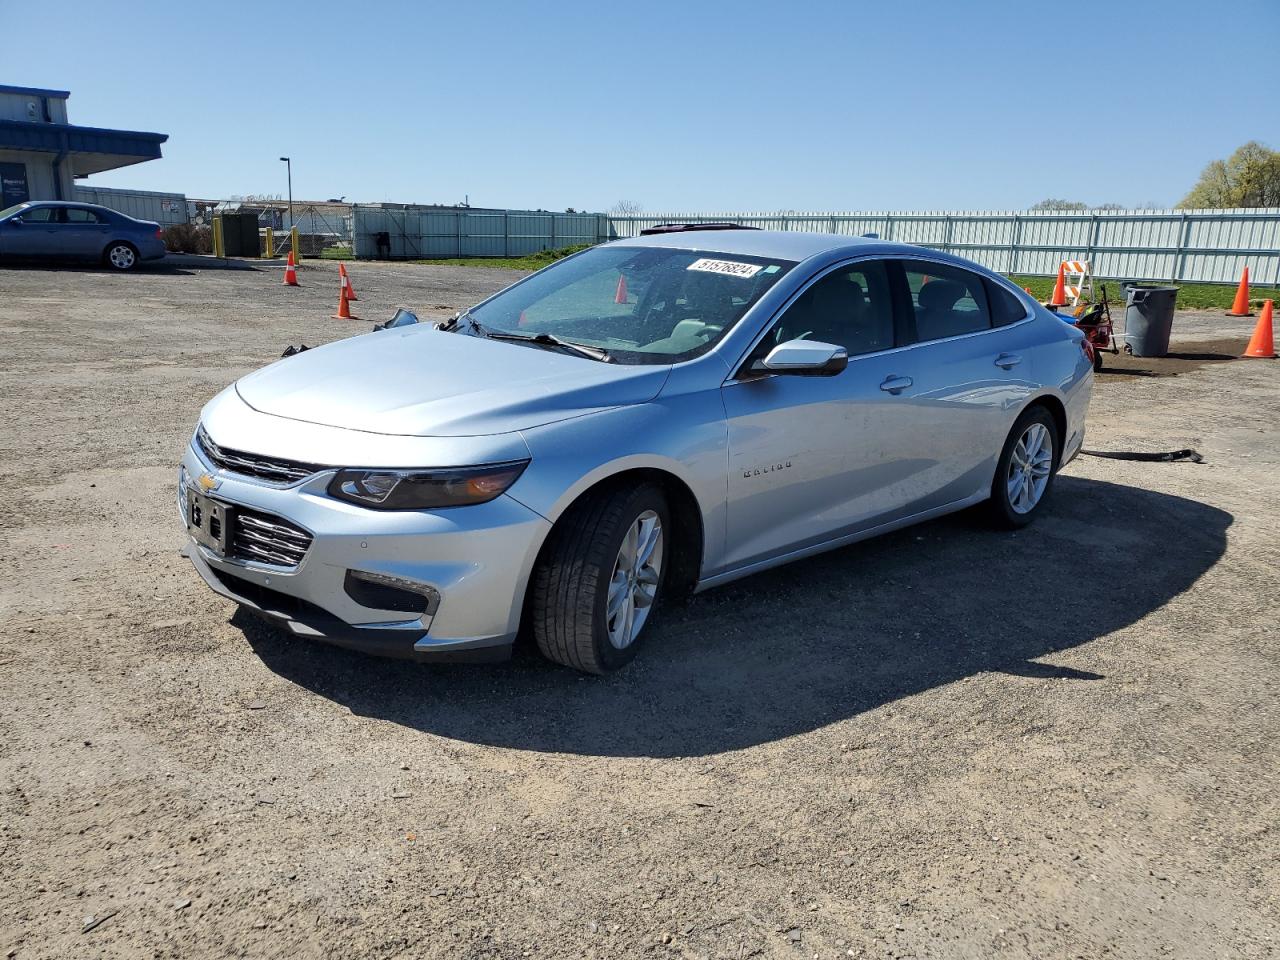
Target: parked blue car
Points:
x,y
55,229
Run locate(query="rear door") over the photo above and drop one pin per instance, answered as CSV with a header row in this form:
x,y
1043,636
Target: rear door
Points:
x,y
83,232
969,372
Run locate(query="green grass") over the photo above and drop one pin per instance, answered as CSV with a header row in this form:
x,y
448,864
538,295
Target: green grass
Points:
x,y
535,261
1191,296
337,253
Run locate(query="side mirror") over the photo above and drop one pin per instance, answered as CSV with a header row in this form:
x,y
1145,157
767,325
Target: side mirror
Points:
x,y
16,221
803,358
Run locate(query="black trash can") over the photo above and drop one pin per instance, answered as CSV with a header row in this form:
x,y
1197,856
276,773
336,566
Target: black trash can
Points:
x,y
1148,317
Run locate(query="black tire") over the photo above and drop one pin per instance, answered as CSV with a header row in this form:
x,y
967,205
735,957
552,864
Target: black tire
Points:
x,y
120,255
570,583
1097,360
1001,510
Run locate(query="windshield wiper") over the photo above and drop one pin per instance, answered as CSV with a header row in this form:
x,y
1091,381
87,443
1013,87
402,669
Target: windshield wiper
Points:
x,y
542,339
550,340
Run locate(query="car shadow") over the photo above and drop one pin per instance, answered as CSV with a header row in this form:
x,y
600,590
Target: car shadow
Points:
x,y
149,267
813,642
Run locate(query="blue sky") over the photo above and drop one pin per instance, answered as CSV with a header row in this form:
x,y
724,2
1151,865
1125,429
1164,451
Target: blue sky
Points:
x,y
923,104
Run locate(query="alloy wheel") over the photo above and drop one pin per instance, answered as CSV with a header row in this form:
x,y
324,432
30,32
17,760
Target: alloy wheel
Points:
x,y
1029,468
122,257
633,587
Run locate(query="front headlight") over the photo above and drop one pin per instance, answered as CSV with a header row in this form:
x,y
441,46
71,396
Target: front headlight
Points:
x,y
425,489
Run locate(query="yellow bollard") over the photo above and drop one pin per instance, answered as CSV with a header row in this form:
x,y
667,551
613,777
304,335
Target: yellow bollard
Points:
x,y
293,241
219,248
271,244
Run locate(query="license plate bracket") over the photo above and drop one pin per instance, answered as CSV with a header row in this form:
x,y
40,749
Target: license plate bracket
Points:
x,y
208,521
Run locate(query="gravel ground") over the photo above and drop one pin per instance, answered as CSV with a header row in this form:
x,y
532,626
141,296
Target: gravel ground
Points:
x,y
943,743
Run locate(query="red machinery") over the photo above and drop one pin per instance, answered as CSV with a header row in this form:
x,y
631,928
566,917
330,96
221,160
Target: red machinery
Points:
x,y
1095,324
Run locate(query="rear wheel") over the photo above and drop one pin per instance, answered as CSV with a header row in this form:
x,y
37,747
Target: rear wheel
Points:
x,y
1025,470
121,256
599,578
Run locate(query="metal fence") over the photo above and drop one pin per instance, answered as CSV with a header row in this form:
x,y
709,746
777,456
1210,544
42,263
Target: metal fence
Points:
x,y
1210,246
413,233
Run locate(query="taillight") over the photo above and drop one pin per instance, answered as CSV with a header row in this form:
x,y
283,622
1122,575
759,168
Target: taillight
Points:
x,y
1087,347
160,232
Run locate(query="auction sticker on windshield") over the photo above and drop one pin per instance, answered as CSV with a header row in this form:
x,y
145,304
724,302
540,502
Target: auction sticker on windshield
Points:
x,y
729,267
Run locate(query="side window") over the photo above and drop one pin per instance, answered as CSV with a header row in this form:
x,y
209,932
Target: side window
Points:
x,y
948,301
39,215
1005,307
851,307
80,215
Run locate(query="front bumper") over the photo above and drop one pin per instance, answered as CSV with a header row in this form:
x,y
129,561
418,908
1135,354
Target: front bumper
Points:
x,y
475,561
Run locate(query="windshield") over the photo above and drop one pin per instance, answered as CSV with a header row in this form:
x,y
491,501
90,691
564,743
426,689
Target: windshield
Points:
x,y
10,211
644,305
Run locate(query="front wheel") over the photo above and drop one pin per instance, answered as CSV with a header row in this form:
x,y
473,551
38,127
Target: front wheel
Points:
x,y
1025,470
121,256
599,578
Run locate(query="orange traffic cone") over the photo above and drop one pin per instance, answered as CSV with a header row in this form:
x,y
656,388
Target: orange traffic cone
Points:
x,y
346,282
620,296
344,308
1241,307
1059,298
1261,343
1028,290
290,274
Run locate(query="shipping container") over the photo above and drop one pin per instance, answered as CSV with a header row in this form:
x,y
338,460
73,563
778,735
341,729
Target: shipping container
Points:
x,y
163,208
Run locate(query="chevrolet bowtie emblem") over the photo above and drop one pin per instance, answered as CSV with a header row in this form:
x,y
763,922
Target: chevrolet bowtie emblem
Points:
x,y
208,482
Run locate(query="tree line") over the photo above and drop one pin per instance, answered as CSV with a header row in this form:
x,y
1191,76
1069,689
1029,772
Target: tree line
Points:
x,y
1250,177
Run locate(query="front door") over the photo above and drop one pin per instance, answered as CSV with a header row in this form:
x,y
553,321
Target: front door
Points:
x,y
813,458
31,234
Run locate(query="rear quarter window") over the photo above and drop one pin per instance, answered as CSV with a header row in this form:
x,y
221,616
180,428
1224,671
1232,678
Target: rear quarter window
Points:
x,y
1005,307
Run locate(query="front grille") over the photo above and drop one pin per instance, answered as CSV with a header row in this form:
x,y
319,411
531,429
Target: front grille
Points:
x,y
266,538
271,469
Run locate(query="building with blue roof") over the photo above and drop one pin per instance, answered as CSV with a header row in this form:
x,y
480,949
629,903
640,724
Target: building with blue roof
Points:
x,y
42,152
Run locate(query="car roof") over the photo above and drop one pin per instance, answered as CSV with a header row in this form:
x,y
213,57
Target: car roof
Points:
x,y
66,203
784,244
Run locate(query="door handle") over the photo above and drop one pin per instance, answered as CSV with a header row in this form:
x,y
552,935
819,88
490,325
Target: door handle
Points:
x,y
1008,360
895,385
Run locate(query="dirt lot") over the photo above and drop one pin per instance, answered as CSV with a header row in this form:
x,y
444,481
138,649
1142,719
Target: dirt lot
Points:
x,y
944,743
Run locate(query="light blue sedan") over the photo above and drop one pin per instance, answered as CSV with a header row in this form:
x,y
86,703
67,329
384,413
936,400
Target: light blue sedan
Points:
x,y
651,416
87,232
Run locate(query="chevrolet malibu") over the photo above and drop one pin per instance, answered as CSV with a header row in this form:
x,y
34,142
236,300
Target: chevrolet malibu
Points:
x,y
652,416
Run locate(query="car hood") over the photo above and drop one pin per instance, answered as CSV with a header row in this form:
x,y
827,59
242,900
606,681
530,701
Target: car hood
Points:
x,y
419,381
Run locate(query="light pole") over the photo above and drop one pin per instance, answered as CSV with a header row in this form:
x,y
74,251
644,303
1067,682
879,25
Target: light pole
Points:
x,y
288,164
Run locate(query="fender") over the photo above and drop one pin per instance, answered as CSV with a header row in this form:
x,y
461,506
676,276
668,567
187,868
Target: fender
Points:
x,y
683,435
